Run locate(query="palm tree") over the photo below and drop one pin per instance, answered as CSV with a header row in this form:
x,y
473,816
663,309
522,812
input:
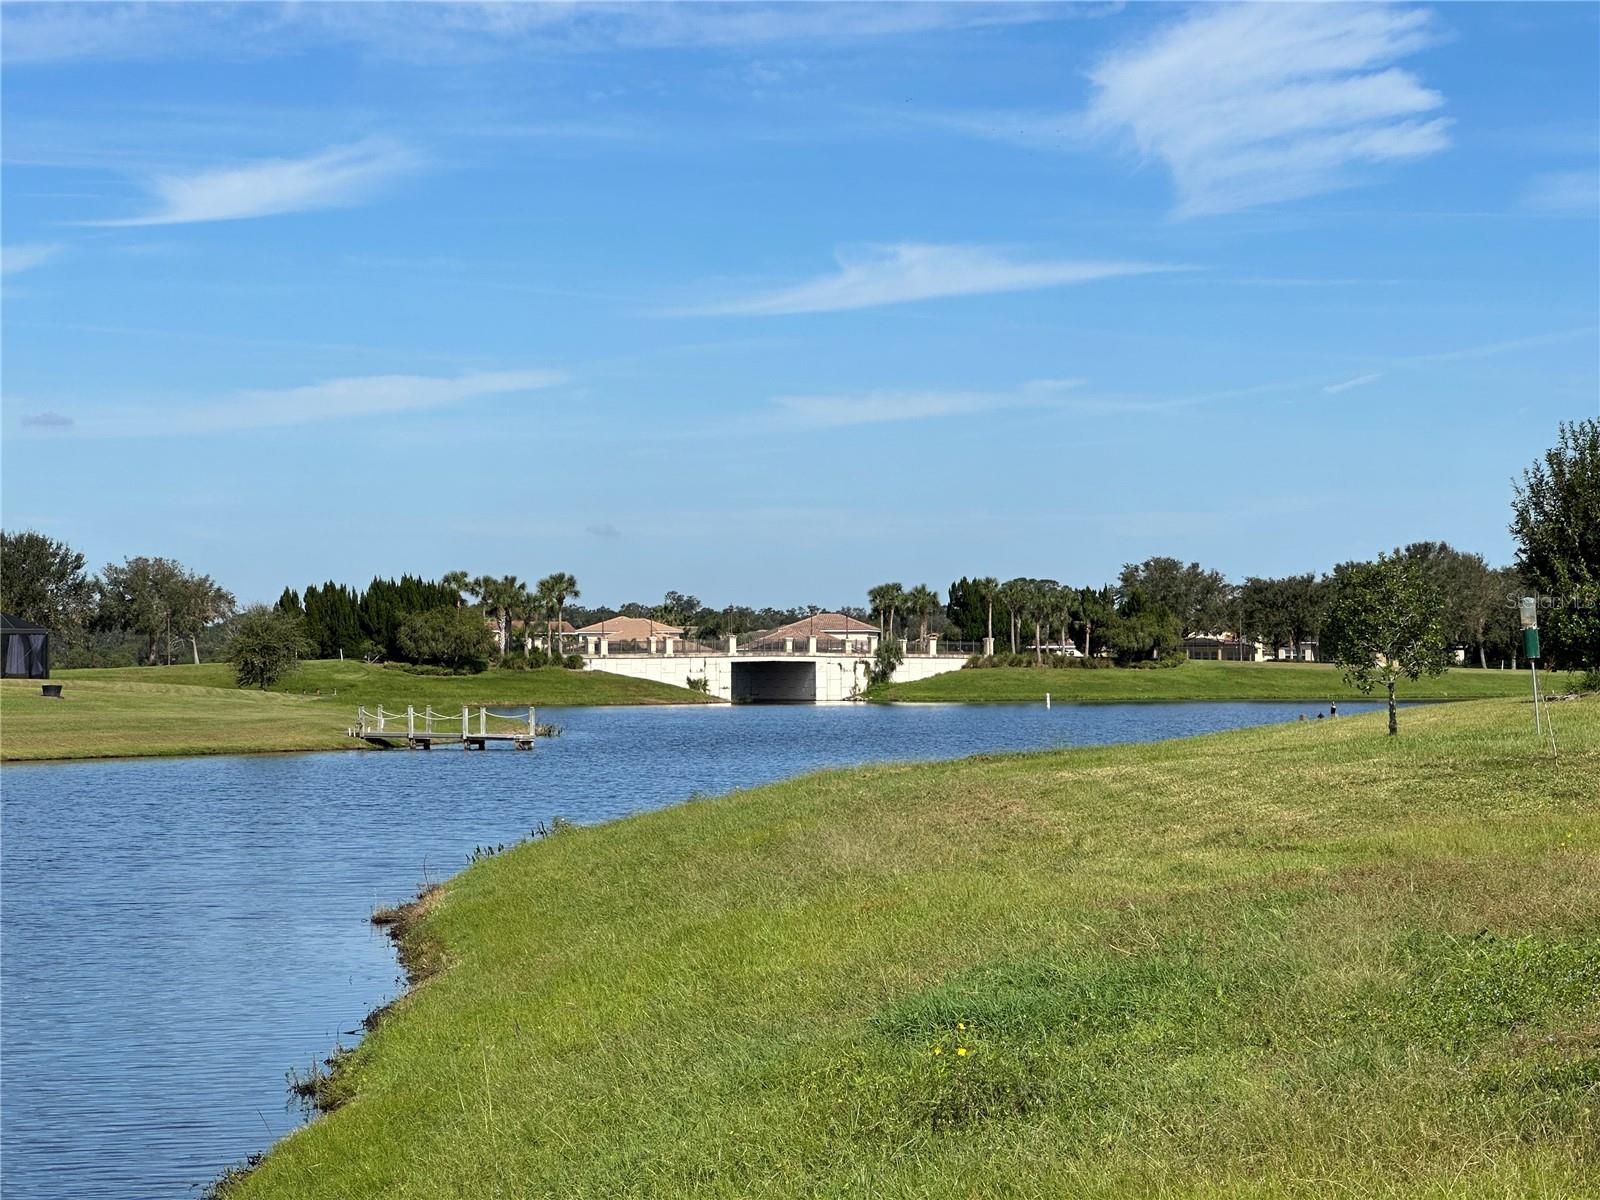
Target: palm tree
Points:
x,y
988,587
1093,607
556,589
885,599
921,601
457,582
1013,594
501,598
1042,596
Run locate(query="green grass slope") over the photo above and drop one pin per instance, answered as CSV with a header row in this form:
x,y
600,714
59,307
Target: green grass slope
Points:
x,y
1307,960
126,711
1190,681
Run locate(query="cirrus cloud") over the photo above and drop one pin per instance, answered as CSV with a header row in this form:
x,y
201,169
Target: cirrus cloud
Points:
x,y
1250,104
336,178
896,274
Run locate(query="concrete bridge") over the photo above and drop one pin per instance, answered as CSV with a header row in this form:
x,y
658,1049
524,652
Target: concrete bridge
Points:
x,y
793,671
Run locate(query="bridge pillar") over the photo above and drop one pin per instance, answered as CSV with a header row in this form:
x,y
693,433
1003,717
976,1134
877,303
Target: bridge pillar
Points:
x,y
605,647
652,643
733,644
933,645
788,645
988,647
811,644
588,646
905,647
667,649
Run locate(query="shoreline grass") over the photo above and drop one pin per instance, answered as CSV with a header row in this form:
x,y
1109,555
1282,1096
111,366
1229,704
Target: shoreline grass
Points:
x,y
182,710
1195,680
1300,960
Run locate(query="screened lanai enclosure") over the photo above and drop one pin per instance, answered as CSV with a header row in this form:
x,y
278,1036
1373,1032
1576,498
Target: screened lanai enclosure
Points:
x,y
24,648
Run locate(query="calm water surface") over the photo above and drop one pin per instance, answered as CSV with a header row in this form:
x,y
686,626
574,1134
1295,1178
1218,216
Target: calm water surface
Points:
x,y
177,933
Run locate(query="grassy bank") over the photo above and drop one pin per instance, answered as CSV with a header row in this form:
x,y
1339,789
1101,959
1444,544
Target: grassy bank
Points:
x,y
1300,961
196,710
1190,681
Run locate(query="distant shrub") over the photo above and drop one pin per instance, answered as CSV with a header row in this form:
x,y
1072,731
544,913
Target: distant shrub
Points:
x,y
698,683
266,645
455,638
1049,662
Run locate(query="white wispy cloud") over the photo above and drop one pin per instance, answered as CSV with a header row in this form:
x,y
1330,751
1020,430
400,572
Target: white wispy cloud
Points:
x,y
888,405
25,256
1333,389
896,274
42,33
1252,104
364,396
337,177
1576,192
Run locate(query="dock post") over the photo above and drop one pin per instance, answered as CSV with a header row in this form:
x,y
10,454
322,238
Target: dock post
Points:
x,y
411,723
533,729
380,718
483,719
465,728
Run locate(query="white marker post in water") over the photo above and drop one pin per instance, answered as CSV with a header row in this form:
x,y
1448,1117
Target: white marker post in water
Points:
x,y
1047,699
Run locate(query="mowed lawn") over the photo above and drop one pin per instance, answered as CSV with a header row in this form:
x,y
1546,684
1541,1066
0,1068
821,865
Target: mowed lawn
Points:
x,y
196,709
1195,680
1306,960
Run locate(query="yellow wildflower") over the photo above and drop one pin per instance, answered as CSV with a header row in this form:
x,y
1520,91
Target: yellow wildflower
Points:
x,y
962,1052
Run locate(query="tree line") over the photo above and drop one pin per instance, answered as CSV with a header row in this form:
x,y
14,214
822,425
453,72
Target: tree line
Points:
x,y
149,610
1157,603
153,610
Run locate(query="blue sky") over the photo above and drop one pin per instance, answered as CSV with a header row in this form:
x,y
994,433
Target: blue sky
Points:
x,y
773,303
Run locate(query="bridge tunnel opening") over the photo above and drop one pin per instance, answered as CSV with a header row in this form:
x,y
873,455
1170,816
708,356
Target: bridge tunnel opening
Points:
x,y
774,682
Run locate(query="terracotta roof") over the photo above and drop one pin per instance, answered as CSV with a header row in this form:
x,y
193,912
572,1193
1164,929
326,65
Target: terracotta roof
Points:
x,y
538,624
630,629
829,624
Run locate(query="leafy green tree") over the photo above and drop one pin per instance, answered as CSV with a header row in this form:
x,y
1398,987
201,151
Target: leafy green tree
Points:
x,y
1283,612
197,603
139,596
448,637
678,609
1197,597
43,581
1469,587
1142,631
1556,521
266,645
1386,623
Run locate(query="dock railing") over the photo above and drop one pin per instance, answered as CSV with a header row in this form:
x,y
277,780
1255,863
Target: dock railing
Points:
x,y
427,726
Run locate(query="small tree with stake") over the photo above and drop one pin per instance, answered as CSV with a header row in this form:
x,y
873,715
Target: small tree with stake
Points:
x,y
1386,623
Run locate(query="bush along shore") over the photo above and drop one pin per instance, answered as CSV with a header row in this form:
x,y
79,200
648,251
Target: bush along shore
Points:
x,y
1294,961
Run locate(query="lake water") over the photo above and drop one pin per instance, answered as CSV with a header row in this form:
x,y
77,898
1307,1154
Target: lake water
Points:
x,y
175,934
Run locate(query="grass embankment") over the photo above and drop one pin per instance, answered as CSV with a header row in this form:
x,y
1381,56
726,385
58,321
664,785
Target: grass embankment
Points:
x,y
1190,681
1307,960
117,712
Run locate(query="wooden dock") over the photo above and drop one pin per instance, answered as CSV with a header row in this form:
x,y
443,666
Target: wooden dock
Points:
x,y
427,729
